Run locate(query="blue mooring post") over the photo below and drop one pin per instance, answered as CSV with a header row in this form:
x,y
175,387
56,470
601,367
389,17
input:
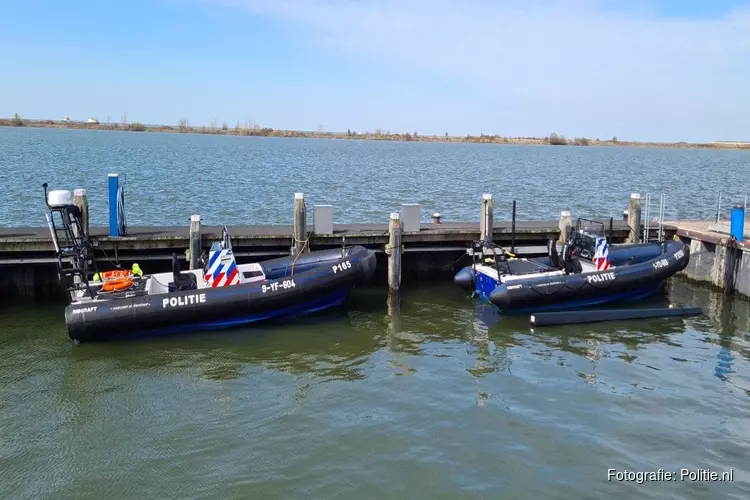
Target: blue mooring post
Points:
x,y
114,184
737,222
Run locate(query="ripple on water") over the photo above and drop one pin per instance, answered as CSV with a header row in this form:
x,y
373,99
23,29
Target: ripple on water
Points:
x,y
431,394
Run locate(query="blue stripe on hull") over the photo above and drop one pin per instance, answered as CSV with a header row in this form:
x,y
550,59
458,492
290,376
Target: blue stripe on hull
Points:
x,y
485,285
332,300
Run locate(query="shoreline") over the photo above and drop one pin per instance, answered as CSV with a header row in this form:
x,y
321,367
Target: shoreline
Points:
x,y
378,135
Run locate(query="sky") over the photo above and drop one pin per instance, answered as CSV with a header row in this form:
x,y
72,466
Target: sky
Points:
x,y
660,70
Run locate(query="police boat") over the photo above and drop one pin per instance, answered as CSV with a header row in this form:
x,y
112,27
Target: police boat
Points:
x,y
587,272
122,303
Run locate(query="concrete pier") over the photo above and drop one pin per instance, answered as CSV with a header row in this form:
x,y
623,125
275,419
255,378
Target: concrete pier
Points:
x,y
711,250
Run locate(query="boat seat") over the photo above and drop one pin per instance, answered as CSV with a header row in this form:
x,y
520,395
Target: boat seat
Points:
x,y
182,281
570,263
554,257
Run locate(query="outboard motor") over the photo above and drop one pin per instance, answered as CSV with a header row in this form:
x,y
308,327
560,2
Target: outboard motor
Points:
x,y
71,242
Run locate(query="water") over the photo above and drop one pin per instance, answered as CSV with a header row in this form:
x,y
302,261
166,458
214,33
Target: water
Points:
x,y
250,180
437,398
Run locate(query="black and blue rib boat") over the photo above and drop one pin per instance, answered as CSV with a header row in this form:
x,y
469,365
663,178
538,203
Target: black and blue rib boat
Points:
x,y
121,303
586,273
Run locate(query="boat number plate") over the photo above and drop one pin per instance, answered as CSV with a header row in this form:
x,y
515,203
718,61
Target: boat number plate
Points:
x,y
661,263
341,267
679,254
278,285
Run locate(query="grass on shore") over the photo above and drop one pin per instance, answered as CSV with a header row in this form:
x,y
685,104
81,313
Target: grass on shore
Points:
x,y
253,129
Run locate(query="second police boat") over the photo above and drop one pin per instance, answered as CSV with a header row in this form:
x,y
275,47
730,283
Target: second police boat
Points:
x,y
588,271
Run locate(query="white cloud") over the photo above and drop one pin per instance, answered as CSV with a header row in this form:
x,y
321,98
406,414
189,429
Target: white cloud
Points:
x,y
585,65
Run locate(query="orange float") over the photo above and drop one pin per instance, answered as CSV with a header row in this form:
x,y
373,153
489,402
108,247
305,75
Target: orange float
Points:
x,y
117,284
116,273
116,280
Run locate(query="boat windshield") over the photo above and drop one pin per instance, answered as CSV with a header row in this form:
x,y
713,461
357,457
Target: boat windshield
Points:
x,y
590,227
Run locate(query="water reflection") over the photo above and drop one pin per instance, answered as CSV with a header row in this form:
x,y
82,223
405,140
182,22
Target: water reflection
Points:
x,y
725,323
313,346
398,342
436,322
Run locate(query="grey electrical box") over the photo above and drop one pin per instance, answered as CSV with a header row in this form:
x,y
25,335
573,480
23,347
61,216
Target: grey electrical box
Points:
x,y
410,217
323,219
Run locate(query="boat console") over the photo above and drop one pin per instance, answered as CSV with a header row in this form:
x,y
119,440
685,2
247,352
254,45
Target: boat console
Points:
x,y
583,238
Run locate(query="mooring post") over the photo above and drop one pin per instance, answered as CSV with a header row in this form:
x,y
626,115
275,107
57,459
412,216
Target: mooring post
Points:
x,y
195,241
565,223
485,223
394,252
634,218
113,184
300,223
82,202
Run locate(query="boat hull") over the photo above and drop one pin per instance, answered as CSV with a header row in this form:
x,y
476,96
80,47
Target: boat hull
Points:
x,y
323,283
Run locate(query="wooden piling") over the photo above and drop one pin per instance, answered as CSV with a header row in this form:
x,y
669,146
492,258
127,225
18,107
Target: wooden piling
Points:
x,y
565,223
485,223
394,252
82,202
195,241
634,218
299,231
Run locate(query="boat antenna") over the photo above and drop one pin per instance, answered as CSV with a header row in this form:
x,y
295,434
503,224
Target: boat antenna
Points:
x,y
226,243
513,230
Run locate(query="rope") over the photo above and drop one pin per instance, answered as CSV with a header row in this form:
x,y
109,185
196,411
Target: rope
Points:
x,y
297,254
441,267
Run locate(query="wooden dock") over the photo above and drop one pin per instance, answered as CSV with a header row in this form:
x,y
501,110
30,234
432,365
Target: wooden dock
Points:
x,y
425,250
27,254
34,245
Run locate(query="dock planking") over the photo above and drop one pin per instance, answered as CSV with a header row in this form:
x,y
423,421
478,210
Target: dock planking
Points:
x,y
19,245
